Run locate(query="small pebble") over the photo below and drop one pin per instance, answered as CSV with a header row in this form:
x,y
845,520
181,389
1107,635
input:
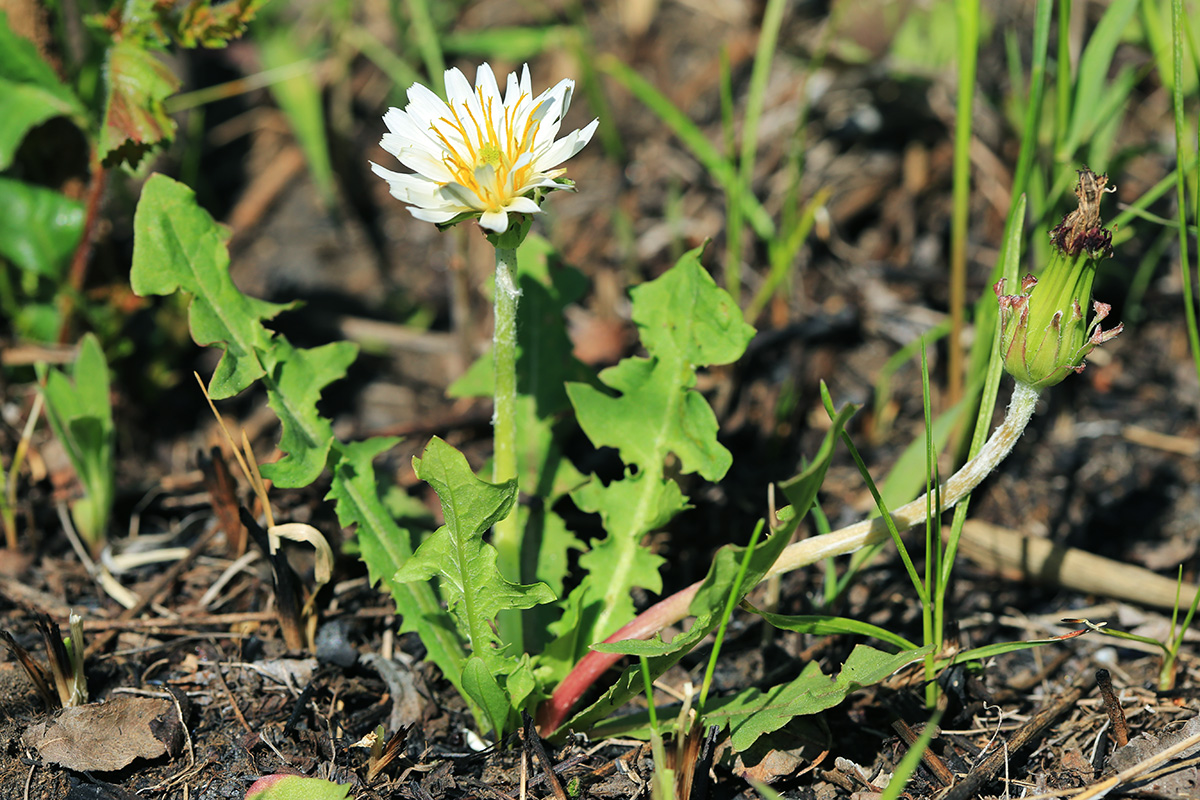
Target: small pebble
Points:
x,y
333,645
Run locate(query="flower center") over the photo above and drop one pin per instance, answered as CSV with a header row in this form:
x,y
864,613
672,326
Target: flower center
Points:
x,y
471,143
489,153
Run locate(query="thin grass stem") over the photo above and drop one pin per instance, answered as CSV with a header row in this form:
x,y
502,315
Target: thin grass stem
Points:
x,y
1181,157
967,14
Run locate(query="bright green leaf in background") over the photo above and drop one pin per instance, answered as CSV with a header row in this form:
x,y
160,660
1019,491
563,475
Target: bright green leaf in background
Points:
x,y
30,92
80,414
39,228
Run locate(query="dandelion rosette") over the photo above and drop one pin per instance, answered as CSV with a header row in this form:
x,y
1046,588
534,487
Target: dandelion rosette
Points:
x,y
1045,335
477,155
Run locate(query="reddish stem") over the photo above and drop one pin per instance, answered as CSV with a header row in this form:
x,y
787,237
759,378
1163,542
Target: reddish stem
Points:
x,y
83,253
668,611
803,553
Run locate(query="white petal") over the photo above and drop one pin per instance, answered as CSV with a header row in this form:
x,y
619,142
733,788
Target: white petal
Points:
x,y
494,220
457,87
512,92
394,118
460,93
398,144
524,205
526,83
409,188
425,163
437,217
485,84
462,196
402,123
542,180
424,106
566,147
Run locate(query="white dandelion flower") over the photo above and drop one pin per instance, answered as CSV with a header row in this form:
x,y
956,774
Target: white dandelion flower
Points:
x,y
477,155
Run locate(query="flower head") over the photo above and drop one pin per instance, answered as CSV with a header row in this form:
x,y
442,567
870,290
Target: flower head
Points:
x,y
477,155
1045,335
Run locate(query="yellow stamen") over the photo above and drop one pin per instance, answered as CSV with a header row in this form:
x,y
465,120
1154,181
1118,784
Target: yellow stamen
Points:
x,y
485,147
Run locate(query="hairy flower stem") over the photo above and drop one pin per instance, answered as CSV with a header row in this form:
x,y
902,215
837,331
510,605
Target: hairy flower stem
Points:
x,y
506,534
801,554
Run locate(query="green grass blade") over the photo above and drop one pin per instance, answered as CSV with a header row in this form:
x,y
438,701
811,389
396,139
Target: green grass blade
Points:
x,y
692,137
1094,66
967,15
300,99
764,54
1181,157
426,40
825,625
735,592
398,71
508,44
783,254
908,764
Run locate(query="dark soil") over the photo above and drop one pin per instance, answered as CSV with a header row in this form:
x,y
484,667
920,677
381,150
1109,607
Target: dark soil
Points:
x,y
1109,464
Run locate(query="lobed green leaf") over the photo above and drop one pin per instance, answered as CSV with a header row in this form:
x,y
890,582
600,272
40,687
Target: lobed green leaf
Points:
x,y
752,712
385,546
294,383
481,686
708,604
135,121
685,321
178,247
456,554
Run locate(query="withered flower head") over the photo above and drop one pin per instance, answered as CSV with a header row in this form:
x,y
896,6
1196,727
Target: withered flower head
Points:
x,y
1045,334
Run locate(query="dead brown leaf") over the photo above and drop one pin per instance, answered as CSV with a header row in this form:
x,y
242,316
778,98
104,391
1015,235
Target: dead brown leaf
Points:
x,y
102,737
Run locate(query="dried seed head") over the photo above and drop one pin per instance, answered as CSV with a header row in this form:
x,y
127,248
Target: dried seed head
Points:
x,y
1045,335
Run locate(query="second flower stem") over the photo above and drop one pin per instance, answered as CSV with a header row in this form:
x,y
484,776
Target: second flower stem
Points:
x,y
671,610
